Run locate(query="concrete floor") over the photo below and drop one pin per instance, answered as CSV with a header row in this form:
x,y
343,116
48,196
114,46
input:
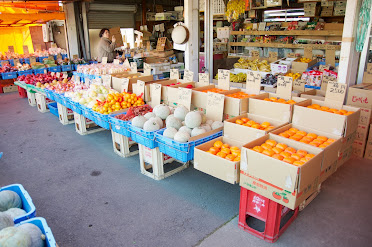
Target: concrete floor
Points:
x,y
92,197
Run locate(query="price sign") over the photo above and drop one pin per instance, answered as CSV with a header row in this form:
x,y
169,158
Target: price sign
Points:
x,y
11,48
155,91
299,85
323,67
308,52
184,97
58,74
146,69
224,79
106,80
52,73
255,54
104,60
325,81
124,84
273,56
141,89
65,75
45,71
215,105
291,55
204,79
369,68
335,94
116,61
174,74
16,61
25,49
284,87
330,55
253,84
188,76
32,60
133,67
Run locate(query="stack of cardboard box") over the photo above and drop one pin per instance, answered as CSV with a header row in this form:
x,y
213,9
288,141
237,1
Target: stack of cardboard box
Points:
x,y
340,8
311,9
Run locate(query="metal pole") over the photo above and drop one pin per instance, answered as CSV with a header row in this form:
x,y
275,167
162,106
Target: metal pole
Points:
x,y
208,38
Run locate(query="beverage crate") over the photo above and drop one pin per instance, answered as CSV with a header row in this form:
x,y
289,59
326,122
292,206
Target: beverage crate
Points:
x,y
146,138
101,119
22,92
27,203
55,69
263,217
31,98
119,126
66,115
53,108
65,68
9,75
180,151
123,146
25,72
85,126
43,226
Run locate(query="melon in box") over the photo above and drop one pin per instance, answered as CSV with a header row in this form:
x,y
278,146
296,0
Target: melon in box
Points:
x,y
284,183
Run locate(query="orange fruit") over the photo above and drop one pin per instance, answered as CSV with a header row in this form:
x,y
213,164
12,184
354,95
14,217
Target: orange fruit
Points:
x,y
348,113
225,145
244,119
268,152
266,146
267,99
211,152
304,160
308,138
289,160
237,159
278,156
271,142
302,153
284,134
221,154
298,163
218,144
226,150
343,111
333,110
324,108
296,156
285,154
312,135
255,126
265,124
301,133
291,102
296,137
235,152
309,156
214,150
316,106
290,133
251,122
273,99
234,148
322,138
277,150
318,141
314,144
290,150
270,128
322,145
281,145
230,157
304,141
330,140
258,149
240,122
294,130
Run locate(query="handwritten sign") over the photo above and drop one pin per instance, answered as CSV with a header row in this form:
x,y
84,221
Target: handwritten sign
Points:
x,y
335,94
25,49
106,80
58,74
32,60
255,54
174,74
215,106
204,79
141,89
273,56
16,61
188,76
133,67
155,92
45,71
299,85
323,67
291,55
146,69
253,84
104,60
184,97
325,81
330,55
116,61
284,87
52,73
124,84
224,79
65,75
308,52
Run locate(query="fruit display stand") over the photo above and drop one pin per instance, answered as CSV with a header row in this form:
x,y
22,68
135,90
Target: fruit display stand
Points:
x,y
66,115
85,126
31,98
42,102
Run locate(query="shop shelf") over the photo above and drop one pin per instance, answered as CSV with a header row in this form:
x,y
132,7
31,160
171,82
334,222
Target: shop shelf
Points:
x,y
40,71
75,106
65,68
49,94
100,119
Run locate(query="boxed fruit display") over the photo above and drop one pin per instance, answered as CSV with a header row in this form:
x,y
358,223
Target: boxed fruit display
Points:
x,y
282,65
301,64
287,179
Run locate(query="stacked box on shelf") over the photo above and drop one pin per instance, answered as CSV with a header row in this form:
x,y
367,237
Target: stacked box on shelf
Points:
x,y
44,228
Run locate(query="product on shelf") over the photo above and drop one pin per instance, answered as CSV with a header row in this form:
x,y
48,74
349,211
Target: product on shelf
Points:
x,y
89,96
214,90
308,138
101,69
303,60
8,68
240,95
270,79
282,101
23,67
239,78
255,65
116,102
295,76
134,111
330,110
283,152
224,151
250,123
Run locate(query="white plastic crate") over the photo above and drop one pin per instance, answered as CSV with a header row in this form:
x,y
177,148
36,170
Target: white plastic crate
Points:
x,y
122,145
42,102
31,98
84,126
153,158
66,116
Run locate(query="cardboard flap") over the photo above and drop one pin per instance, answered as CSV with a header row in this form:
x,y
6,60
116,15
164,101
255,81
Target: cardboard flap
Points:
x,y
335,94
277,111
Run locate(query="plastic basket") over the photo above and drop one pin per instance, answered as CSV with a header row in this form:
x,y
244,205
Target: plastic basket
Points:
x,y
55,69
53,108
65,68
146,138
49,94
25,72
40,71
181,151
9,75
64,56
100,119
86,112
93,62
58,98
45,229
27,60
75,106
119,126
317,65
27,203
67,102
41,59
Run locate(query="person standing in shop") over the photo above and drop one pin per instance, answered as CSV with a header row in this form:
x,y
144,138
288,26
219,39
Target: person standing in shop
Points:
x,y
106,47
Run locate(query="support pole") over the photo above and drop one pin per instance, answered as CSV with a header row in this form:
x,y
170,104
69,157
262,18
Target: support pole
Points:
x,y
208,38
71,29
192,46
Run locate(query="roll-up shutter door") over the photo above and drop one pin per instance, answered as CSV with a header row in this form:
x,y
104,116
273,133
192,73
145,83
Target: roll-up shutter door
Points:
x,y
107,18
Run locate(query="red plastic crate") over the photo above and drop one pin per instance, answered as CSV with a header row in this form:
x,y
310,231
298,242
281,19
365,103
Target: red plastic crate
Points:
x,y
22,92
263,217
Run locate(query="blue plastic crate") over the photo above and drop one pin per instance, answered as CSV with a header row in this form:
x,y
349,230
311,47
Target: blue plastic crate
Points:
x,y
40,71
27,203
53,108
22,60
41,59
119,126
66,68
101,119
181,151
146,138
9,75
45,229
86,112
25,72
58,98
75,106
49,94
93,62
64,56
55,69
27,60
67,102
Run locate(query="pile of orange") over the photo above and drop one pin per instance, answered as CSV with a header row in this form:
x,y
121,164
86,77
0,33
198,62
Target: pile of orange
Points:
x,y
283,101
116,102
330,110
214,90
281,151
224,151
308,138
240,95
250,123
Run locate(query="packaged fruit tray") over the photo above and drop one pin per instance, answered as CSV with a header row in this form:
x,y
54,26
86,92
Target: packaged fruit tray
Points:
x,y
119,126
180,151
100,119
27,203
146,138
43,226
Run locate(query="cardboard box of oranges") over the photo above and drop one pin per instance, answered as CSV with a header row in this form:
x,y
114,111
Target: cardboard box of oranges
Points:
x,y
320,116
271,106
302,65
199,95
248,127
331,144
236,102
281,169
219,158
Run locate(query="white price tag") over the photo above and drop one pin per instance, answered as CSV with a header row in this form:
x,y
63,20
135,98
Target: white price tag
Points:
x,y
124,84
146,69
188,76
52,73
104,60
141,89
215,106
65,75
204,79
224,79
335,94
253,84
284,87
58,74
174,74
106,80
116,61
133,67
155,94
184,97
